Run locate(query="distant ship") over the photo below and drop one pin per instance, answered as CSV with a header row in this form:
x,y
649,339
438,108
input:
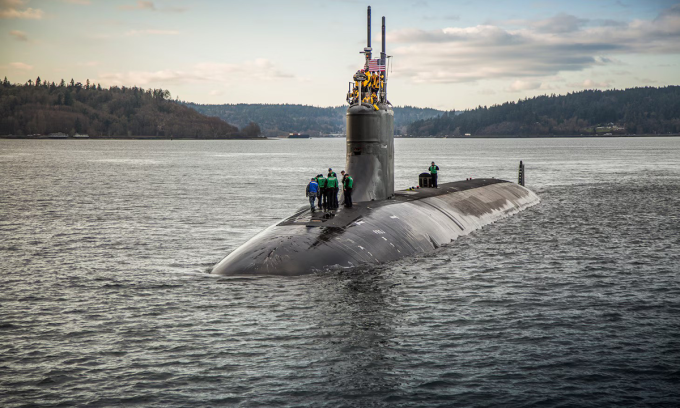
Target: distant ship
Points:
x,y
383,225
297,136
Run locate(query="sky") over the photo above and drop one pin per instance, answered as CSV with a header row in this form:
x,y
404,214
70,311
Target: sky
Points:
x,y
445,54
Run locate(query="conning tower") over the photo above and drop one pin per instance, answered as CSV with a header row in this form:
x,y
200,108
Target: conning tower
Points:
x,y
370,127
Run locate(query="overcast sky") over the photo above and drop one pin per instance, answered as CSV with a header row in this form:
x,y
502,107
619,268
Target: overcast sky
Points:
x,y
446,54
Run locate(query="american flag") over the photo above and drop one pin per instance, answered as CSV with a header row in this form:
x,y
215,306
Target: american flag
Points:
x,y
374,65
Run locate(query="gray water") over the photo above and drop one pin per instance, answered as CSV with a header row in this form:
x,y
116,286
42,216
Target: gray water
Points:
x,y
105,300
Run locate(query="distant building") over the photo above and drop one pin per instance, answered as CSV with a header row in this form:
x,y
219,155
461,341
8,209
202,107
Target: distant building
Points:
x,y
79,136
58,135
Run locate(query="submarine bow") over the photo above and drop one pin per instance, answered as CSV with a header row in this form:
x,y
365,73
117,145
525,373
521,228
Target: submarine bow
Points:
x,y
373,233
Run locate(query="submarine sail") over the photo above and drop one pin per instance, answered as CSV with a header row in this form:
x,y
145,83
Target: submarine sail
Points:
x,y
370,127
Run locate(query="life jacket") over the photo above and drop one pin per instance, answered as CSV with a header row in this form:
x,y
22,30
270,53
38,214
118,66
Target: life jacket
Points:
x,y
313,187
321,181
332,182
349,182
367,82
433,169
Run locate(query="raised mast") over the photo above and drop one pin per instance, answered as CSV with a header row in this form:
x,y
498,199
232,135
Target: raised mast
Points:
x,y
383,62
368,50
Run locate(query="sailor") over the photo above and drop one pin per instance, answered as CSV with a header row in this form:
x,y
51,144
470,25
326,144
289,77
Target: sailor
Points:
x,y
332,191
331,172
365,84
433,172
348,184
312,192
342,184
321,181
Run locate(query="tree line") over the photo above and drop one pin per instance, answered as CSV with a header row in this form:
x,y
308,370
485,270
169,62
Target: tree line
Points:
x,y
644,110
40,107
277,119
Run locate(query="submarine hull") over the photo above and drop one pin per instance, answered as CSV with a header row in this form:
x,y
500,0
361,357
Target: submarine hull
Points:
x,y
373,233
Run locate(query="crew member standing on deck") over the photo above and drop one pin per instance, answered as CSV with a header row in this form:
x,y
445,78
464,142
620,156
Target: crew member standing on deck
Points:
x,y
333,195
323,204
348,184
342,184
433,172
312,192
332,191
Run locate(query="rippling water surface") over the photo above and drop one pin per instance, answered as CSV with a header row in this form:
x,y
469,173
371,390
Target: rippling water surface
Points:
x,y
105,248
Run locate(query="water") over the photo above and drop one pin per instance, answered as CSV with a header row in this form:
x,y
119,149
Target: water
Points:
x,y
105,297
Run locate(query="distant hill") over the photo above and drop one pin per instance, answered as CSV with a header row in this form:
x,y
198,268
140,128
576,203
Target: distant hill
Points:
x,y
646,110
280,119
42,108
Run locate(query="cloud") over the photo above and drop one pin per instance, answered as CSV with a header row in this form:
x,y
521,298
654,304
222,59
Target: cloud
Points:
x,y
535,50
520,85
600,60
81,2
216,93
21,66
12,3
10,9
561,23
141,5
150,6
590,84
19,35
259,70
150,31
89,64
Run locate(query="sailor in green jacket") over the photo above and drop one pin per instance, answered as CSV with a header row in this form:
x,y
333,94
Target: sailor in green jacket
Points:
x,y
348,184
323,203
433,172
332,191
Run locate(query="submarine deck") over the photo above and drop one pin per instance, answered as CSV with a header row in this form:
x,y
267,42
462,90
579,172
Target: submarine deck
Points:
x,y
343,217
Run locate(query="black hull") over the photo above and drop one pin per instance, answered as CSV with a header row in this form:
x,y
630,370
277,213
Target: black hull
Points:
x,y
376,232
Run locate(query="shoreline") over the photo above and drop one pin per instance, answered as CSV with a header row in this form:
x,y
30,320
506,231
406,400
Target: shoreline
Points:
x,y
535,136
125,138
396,137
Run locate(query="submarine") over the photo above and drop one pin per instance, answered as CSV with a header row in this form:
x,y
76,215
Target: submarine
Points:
x,y
383,225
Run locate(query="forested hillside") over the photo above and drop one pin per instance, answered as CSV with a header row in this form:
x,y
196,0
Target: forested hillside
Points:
x,y
280,119
42,108
631,111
